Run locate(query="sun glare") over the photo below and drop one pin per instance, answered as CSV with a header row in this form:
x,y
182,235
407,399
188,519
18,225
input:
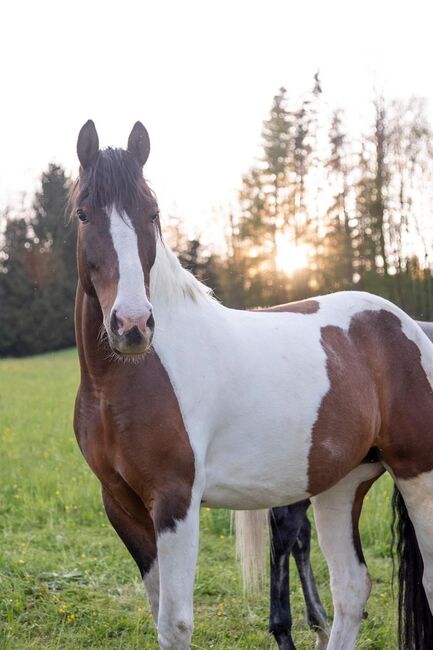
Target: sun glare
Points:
x,y
291,258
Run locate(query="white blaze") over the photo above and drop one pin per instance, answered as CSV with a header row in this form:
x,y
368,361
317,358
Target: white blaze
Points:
x,y
131,299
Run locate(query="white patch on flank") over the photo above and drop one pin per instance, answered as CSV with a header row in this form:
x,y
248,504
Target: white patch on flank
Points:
x,y
131,299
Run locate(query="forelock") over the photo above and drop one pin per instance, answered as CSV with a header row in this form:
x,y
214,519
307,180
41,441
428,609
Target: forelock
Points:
x,y
114,179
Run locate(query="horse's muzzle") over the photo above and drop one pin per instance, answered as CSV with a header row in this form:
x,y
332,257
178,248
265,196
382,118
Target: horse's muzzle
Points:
x,y
133,341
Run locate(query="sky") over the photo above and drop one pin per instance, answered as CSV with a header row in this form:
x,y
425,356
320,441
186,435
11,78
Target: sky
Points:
x,y
200,75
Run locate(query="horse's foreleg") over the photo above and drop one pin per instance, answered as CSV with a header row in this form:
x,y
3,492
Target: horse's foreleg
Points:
x,y
138,535
316,615
285,523
337,514
177,554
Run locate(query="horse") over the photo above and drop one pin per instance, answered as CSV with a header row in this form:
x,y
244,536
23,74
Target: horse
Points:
x,y
290,533
184,402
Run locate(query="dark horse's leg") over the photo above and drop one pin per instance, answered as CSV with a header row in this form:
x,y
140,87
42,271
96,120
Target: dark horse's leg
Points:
x,y
291,532
285,525
316,615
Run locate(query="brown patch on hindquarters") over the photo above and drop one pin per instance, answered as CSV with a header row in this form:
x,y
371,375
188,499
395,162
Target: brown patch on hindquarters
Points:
x,y
379,396
406,435
348,416
298,307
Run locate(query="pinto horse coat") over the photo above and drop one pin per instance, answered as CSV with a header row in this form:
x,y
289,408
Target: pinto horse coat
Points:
x,y
184,402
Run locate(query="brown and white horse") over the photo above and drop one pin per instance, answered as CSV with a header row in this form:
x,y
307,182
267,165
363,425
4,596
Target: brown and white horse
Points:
x,y
183,402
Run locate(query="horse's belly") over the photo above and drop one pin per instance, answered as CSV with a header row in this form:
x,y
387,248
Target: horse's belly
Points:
x,y
250,495
251,468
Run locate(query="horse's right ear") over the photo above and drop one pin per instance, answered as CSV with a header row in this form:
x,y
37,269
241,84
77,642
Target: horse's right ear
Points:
x,y
87,144
139,143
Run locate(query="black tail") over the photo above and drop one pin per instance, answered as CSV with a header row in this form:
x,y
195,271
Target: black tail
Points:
x,y
415,621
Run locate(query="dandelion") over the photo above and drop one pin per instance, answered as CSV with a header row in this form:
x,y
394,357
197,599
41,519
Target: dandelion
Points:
x,y
70,618
220,609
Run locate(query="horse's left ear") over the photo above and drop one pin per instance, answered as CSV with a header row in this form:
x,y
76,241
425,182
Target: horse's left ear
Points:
x,y
87,144
139,143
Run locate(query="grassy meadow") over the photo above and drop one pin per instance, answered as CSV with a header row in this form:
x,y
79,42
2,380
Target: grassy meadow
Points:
x,y
66,580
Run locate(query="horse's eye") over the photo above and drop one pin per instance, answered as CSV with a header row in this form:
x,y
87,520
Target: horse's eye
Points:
x,y
82,215
154,217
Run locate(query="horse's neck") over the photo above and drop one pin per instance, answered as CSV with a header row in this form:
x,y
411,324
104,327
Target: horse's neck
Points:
x,y
171,285
174,292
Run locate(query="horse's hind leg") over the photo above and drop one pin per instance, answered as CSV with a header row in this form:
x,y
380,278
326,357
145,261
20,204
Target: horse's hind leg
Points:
x,y
316,615
285,524
337,514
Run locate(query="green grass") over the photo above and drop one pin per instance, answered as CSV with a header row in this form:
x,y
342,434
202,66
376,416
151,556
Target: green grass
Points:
x,y
66,580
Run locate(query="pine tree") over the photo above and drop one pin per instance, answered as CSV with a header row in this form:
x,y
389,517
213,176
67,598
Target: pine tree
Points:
x,y
265,208
38,277
16,291
337,244
53,250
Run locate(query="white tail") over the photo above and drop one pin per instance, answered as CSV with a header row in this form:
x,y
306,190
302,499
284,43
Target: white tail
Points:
x,y
250,526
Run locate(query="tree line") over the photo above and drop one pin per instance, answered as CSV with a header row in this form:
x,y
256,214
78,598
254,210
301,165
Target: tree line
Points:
x,y
320,210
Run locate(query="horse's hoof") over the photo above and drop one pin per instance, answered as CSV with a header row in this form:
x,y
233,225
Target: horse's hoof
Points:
x,y
285,642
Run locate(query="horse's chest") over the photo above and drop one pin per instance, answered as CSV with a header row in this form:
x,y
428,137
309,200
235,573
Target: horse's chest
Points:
x,y
136,431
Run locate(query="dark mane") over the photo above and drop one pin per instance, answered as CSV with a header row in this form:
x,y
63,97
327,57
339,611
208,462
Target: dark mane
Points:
x,y
115,178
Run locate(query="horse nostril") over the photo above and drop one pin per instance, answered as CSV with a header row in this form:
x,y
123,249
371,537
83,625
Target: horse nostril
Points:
x,y
116,322
150,322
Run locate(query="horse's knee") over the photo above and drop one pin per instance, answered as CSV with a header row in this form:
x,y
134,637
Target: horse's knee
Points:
x,y
176,635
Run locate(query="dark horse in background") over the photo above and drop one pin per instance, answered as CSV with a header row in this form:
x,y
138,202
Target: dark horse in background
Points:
x,y
183,402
